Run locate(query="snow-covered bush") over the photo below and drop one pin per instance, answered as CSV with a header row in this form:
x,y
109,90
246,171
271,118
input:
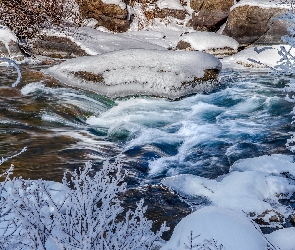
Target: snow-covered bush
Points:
x,y
82,212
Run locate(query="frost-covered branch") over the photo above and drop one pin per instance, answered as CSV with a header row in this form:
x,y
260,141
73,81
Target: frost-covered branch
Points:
x,y
82,212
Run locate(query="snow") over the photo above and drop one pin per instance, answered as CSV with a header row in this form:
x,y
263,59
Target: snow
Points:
x,y
263,4
6,36
136,71
201,40
283,239
267,56
95,42
249,187
116,2
232,230
170,4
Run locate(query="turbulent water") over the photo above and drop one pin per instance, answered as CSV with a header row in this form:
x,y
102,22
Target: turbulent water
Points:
x,y
202,134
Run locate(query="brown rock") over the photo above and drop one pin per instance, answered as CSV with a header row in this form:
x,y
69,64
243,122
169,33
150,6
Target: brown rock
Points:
x,y
252,24
57,47
110,16
210,14
269,216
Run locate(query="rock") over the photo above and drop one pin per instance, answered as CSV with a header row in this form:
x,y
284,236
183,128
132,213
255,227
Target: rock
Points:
x,y
56,47
209,15
163,73
268,217
9,45
255,25
111,16
210,42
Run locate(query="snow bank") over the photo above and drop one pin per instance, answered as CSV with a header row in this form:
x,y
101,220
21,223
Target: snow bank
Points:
x,y
263,4
268,56
228,228
170,4
256,188
134,72
201,40
283,239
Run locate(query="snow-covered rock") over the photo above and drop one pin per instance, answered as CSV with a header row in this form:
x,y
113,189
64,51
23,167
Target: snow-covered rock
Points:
x,y
169,74
9,45
216,228
210,42
253,21
256,58
88,41
253,185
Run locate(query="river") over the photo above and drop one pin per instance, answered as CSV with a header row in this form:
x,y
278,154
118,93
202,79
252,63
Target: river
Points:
x,y
202,134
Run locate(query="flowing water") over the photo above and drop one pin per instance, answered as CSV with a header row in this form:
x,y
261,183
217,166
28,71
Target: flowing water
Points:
x,y
202,134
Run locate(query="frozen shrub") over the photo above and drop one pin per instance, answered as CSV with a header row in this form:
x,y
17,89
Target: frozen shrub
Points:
x,y
83,212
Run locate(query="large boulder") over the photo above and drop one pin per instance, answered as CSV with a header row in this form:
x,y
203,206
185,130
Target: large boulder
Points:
x,y
9,45
163,73
250,24
111,16
209,14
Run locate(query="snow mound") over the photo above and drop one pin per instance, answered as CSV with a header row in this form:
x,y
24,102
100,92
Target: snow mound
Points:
x,y
203,41
254,190
248,59
283,239
169,74
214,226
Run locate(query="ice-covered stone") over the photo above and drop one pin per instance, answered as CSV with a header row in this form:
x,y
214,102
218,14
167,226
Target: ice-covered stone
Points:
x,y
169,74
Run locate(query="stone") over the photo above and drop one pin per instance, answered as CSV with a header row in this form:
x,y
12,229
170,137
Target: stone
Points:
x,y
57,47
209,15
255,25
268,217
111,16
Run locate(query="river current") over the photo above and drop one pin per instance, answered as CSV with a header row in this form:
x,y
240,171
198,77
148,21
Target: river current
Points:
x,y
202,134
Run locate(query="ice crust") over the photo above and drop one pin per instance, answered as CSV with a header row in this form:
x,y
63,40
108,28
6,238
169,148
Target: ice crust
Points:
x,y
135,71
202,40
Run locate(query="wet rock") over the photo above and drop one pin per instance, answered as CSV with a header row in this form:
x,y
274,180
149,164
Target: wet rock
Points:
x,y
255,25
292,219
268,217
111,16
57,47
162,205
209,15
